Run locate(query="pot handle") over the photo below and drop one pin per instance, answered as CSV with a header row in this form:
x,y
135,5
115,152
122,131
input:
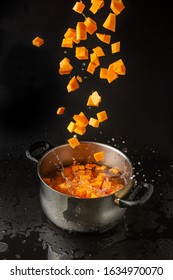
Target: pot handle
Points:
x,y
37,149
148,188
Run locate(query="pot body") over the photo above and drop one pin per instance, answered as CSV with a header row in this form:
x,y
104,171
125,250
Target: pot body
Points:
x,y
76,214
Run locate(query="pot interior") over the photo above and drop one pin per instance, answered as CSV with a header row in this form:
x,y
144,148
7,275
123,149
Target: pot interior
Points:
x,y
64,155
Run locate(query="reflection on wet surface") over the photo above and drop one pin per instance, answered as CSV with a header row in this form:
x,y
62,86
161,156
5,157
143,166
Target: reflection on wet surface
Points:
x,y
144,232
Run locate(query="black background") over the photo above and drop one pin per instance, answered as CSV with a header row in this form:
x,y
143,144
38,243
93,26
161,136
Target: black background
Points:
x,y
139,106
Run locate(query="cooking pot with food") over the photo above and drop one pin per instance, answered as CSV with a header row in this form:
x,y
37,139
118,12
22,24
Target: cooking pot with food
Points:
x,y
86,214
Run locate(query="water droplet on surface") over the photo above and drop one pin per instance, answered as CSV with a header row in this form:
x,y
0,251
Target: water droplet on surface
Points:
x,y
18,256
3,247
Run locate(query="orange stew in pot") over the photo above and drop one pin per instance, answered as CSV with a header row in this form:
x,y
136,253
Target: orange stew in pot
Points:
x,y
86,180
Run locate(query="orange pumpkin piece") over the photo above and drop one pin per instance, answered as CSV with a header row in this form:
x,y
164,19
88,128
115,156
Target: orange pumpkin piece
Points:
x,y
117,6
94,122
111,75
105,38
71,33
71,127
67,42
79,79
116,64
73,84
81,53
119,67
60,111
96,6
81,32
93,195
94,58
98,51
114,171
103,73
94,99
79,7
80,129
102,116
110,22
65,66
101,168
37,41
99,156
73,142
121,70
81,119
91,67
91,25
115,47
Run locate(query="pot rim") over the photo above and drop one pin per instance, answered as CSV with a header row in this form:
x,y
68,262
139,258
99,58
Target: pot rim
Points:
x,y
116,194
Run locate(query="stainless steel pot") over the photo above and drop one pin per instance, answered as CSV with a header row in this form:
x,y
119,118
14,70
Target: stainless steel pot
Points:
x,y
78,214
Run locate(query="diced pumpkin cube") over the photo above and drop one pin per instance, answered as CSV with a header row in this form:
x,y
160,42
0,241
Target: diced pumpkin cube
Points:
x,y
91,67
89,102
71,32
75,168
93,122
96,6
60,111
110,22
103,73
101,168
99,51
73,84
79,7
93,195
62,186
102,116
94,58
104,37
115,47
84,118
119,67
117,6
37,41
81,53
67,42
97,184
80,192
106,185
91,25
71,127
81,167
64,61
116,64
94,99
80,129
81,119
73,142
111,75
65,66
99,156
114,171
121,70
81,32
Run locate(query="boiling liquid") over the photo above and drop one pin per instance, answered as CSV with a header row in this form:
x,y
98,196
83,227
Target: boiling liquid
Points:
x,y
85,180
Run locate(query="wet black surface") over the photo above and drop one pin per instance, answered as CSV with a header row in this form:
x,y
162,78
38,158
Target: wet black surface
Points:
x,y
140,124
